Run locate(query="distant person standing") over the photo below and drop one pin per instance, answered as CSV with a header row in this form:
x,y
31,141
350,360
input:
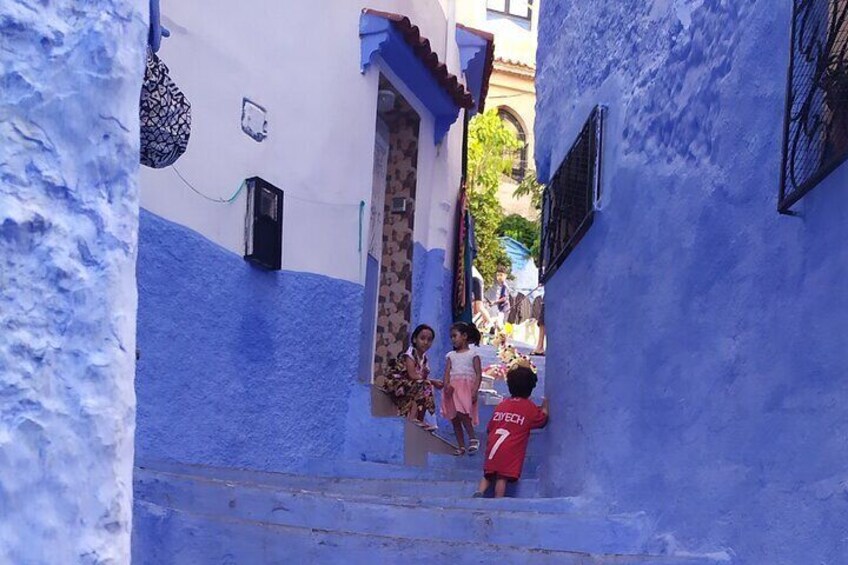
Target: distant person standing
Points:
x,y
540,321
481,314
502,302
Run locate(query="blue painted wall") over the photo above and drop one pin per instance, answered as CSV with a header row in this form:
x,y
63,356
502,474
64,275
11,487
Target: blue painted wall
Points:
x,y
432,287
70,77
368,324
697,340
239,366
247,368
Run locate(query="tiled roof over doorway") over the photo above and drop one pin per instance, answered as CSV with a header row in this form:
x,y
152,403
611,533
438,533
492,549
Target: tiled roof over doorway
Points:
x,y
421,47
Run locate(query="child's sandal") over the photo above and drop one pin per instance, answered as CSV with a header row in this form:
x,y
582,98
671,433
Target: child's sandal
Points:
x,y
459,452
474,446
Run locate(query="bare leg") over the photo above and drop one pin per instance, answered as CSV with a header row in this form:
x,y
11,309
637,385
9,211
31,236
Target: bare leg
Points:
x,y
469,427
484,485
540,346
457,429
500,487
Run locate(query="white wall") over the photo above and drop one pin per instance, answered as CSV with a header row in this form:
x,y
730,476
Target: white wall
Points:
x,y
512,40
301,61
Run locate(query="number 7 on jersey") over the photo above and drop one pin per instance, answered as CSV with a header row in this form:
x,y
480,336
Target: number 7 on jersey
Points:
x,y
503,435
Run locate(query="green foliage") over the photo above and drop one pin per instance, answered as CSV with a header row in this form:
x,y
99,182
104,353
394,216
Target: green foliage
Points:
x,y
532,187
490,148
522,230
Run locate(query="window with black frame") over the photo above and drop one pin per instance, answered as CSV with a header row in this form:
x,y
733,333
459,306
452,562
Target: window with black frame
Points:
x,y
263,233
568,205
815,140
515,8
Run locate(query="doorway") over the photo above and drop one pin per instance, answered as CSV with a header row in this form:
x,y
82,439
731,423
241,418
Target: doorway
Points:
x,y
388,278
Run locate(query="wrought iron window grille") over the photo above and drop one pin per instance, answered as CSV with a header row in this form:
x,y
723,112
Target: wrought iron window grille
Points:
x,y
568,205
815,136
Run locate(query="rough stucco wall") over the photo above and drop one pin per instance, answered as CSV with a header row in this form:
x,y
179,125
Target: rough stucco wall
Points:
x,y
239,366
697,339
70,77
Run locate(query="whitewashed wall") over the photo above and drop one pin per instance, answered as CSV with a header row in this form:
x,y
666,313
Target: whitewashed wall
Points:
x,y
513,40
301,61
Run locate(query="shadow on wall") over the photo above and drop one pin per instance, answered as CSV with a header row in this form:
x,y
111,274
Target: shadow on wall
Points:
x,y
240,367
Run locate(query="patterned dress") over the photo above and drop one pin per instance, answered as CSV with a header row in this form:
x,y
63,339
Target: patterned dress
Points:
x,y
408,394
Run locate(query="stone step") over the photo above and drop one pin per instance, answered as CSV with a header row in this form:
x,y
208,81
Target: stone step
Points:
x,y
543,505
327,468
163,535
571,530
475,464
370,469
359,478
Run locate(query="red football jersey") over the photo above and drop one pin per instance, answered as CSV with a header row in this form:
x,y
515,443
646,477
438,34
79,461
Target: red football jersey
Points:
x,y
509,432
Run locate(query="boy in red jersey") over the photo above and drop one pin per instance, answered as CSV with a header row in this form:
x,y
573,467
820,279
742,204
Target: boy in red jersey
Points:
x,y
509,432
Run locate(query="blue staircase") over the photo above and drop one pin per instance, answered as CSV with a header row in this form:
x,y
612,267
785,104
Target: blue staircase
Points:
x,y
370,513
350,511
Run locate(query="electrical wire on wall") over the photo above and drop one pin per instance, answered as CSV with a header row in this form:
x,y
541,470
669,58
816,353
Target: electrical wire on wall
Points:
x,y
359,206
209,198
244,184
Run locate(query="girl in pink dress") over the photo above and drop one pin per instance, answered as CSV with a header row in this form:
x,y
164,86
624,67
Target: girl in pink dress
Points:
x,y
463,375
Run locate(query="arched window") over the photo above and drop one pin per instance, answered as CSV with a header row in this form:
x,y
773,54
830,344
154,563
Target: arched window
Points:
x,y
519,162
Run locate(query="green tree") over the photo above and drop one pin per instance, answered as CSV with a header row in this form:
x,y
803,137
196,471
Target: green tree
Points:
x,y
490,149
522,230
532,187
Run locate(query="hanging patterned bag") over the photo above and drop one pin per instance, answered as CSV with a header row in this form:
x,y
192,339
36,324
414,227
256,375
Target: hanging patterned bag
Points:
x,y
165,116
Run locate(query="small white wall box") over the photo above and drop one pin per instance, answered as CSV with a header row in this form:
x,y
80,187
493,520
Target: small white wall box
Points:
x,y
263,232
399,205
254,120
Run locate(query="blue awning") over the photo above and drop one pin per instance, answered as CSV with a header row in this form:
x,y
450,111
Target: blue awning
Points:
x,y
399,44
476,54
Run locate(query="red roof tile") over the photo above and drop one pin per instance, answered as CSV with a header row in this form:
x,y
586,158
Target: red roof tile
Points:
x,y
421,47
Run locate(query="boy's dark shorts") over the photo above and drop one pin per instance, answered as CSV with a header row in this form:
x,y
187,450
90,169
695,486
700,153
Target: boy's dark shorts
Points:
x,y
495,476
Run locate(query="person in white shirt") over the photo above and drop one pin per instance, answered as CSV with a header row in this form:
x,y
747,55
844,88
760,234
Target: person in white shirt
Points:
x,y
480,312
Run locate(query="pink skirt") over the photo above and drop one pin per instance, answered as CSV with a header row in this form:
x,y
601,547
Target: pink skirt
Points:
x,y
461,401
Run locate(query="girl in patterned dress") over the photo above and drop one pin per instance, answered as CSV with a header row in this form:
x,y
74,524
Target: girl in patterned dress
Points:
x,y
409,382
463,375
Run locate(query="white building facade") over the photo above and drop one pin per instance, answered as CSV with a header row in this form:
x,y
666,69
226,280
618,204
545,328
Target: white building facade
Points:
x,y
353,117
